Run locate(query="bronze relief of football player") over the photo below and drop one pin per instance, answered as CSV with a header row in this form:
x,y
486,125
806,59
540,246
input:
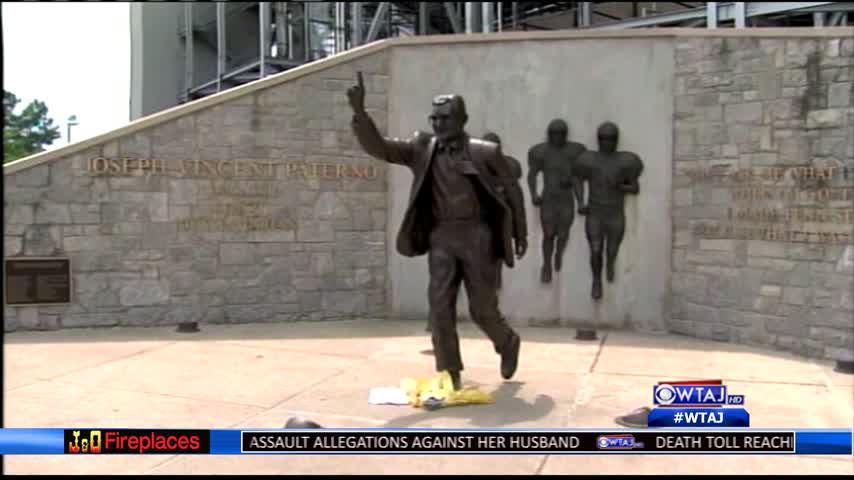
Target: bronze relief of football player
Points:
x,y
610,175
555,159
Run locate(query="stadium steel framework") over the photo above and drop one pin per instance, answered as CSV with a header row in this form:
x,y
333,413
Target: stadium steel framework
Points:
x,y
292,33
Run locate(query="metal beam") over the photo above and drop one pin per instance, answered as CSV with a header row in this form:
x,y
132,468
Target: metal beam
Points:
x,y
280,19
605,15
472,17
711,14
188,48
818,19
499,10
725,12
340,26
486,17
376,22
290,33
529,26
740,13
306,29
515,13
220,44
356,19
585,17
226,77
832,7
456,25
263,36
423,18
839,19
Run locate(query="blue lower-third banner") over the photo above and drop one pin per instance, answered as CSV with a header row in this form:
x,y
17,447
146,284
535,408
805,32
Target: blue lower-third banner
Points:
x,y
698,417
122,441
823,442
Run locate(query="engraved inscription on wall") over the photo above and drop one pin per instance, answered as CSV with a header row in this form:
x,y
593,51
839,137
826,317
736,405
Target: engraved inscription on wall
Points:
x,y
244,189
237,216
780,204
227,169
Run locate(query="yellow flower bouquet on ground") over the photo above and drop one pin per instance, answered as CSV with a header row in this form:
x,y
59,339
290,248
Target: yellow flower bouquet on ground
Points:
x,y
438,392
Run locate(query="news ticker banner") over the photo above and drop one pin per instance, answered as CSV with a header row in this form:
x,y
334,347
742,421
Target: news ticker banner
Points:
x,y
100,441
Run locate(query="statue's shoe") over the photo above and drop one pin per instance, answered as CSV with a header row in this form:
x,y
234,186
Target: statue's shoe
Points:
x,y
510,357
456,379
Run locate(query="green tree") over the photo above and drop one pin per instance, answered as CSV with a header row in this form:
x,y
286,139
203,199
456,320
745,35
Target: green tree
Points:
x,y
28,132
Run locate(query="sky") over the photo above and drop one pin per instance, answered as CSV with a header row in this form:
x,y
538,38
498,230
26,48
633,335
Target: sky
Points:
x,y
75,57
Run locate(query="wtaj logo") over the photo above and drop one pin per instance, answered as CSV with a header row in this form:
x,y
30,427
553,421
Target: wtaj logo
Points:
x,y
703,393
617,442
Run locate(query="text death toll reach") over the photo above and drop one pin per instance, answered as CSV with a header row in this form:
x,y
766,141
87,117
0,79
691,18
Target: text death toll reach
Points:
x,y
721,442
270,441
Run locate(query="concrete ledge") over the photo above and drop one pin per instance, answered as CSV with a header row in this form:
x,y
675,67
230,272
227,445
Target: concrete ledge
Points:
x,y
828,32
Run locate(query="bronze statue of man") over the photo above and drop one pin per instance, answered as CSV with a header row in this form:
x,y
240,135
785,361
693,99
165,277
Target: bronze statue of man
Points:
x,y
460,214
516,173
555,159
610,175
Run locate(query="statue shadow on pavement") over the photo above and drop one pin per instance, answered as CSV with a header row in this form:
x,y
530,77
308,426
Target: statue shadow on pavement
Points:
x,y
507,411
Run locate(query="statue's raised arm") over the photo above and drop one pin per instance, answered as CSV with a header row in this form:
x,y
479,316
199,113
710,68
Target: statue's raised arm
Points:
x,y
391,150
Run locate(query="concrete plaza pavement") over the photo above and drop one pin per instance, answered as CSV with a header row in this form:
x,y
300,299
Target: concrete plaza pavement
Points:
x,y
257,376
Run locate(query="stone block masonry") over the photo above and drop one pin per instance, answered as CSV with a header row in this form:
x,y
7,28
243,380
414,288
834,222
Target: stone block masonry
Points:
x,y
259,209
763,179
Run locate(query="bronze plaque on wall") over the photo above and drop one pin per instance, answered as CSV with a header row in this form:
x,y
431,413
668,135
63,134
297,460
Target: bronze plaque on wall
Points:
x,y
37,281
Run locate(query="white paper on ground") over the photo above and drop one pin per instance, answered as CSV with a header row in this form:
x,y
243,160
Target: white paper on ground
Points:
x,y
387,396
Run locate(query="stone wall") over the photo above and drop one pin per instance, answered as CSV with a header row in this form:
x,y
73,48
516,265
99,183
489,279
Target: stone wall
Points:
x,y
762,200
261,208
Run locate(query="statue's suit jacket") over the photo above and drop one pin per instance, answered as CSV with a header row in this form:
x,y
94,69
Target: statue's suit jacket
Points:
x,y
506,215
